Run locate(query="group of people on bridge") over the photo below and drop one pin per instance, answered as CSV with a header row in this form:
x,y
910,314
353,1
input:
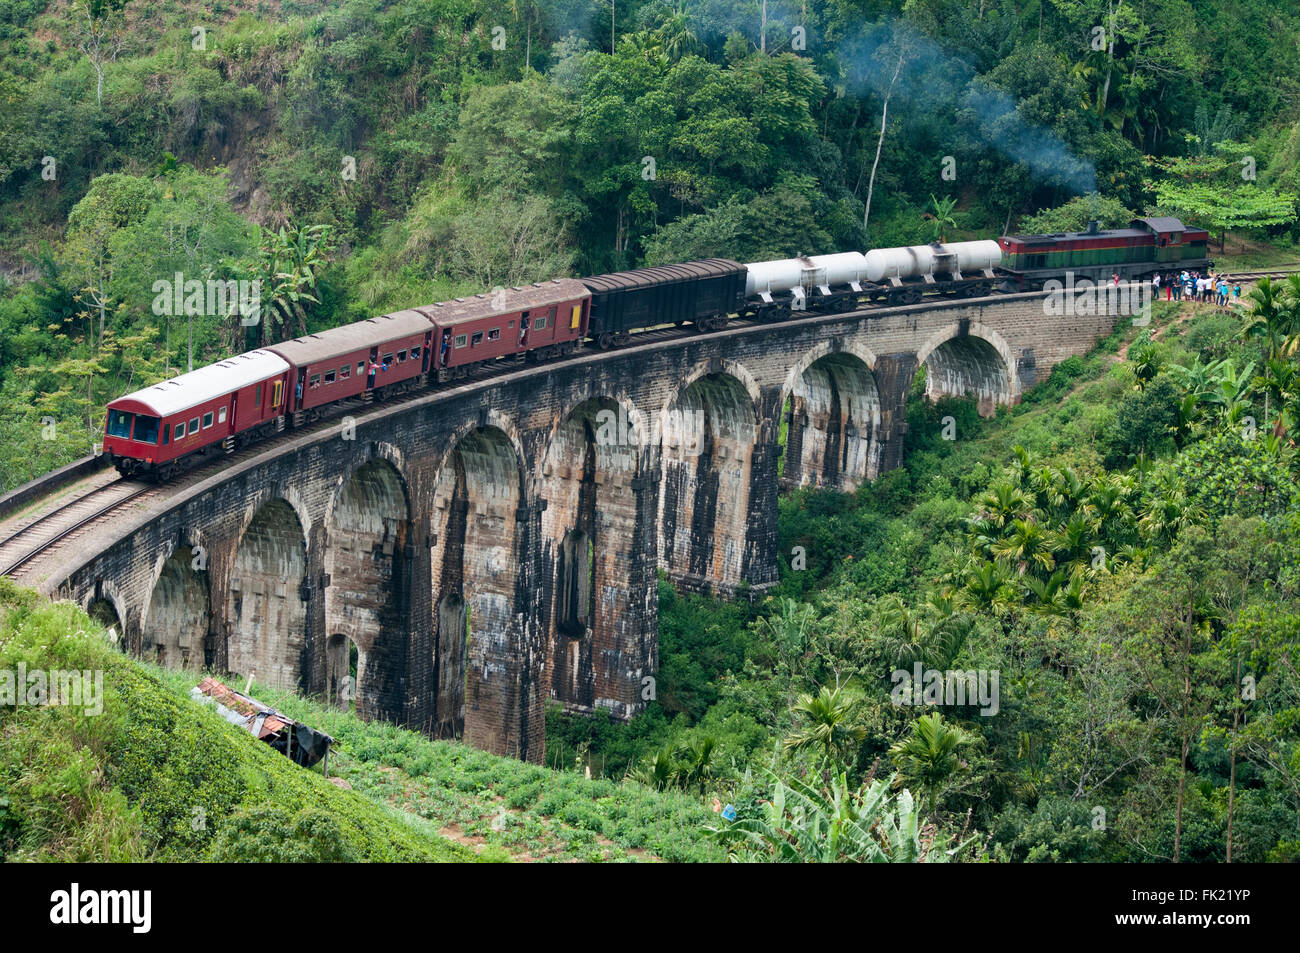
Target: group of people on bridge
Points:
x,y
1194,286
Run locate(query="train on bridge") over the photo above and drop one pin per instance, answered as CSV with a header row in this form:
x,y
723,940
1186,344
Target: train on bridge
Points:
x,y
159,430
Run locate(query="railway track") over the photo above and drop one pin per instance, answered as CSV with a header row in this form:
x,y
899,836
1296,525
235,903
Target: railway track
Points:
x,y
1256,275
38,536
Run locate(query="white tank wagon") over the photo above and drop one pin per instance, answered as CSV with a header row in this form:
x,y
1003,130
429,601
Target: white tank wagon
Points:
x,y
836,283
815,282
917,261
767,279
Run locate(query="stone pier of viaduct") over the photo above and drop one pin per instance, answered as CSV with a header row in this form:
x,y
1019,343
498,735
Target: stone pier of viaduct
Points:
x,y
479,552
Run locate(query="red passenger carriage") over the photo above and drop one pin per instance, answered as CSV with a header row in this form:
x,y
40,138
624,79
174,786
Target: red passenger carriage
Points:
x,y
225,405
542,320
336,364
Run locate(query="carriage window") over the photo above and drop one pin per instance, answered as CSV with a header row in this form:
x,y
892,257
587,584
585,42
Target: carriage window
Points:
x,y
119,423
401,356
180,430
345,371
494,334
477,339
257,396
314,381
221,415
329,377
146,429
541,323
361,366
167,434
194,426
510,324
460,340
207,420
415,352
388,358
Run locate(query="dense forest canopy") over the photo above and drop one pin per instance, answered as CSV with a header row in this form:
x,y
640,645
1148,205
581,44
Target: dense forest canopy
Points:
x,y
359,157
437,147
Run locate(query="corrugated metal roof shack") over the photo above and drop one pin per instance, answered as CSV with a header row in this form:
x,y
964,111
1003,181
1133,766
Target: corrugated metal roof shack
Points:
x,y
298,742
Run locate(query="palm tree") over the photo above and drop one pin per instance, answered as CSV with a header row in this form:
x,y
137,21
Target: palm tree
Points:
x,y
1278,379
928,758
697,770
1188,410
1074,540
898,632
946,639
1002,503
1028,545
1044,592
1059,594
1070,486
674,34
826,726
655,771
1023,465
1105,504
1136,556
1045,482
985,588
1272,315
1167,513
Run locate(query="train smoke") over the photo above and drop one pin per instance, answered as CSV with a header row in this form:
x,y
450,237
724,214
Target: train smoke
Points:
x,y
933,82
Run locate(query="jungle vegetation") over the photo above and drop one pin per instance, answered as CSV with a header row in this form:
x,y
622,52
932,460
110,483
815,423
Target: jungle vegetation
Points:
x,y
1120,548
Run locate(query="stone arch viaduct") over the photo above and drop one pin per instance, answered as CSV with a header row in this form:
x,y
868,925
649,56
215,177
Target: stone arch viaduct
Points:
x,y
479,552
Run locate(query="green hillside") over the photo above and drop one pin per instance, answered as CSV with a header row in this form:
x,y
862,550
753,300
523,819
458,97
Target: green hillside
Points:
x,y
155,776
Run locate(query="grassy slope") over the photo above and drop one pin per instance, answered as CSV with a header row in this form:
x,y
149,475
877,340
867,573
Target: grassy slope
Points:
x,y
530,812
155,776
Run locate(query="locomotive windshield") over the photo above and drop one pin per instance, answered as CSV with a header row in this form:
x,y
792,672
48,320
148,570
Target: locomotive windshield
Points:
x,y
146,429
119,423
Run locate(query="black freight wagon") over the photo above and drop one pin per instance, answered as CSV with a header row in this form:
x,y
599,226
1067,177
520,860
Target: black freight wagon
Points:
x,y
704,292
